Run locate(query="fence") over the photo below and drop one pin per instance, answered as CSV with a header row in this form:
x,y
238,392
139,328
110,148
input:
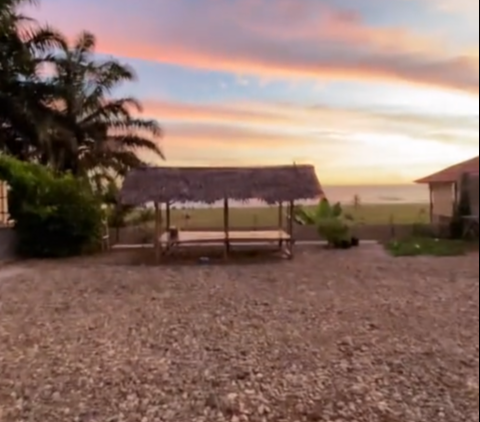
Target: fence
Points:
x,y
7,244
4,216
144,234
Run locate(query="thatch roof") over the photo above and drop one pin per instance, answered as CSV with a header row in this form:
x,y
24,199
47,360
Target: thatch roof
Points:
x,y
208,185
453,173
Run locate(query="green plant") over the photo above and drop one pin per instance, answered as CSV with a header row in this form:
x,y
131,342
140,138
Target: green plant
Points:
x,y
116,212
142,216
54,215
329,221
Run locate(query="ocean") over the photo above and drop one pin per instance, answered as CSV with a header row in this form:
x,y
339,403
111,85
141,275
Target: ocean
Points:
x,y
393,194
373,194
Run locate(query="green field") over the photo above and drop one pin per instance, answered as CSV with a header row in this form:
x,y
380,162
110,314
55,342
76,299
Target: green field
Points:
x,y
212,218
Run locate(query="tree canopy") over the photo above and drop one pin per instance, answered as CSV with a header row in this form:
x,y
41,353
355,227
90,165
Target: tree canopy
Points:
x,y
58,105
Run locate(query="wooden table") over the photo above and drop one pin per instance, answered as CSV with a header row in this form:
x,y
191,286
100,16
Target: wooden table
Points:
x,y
279,237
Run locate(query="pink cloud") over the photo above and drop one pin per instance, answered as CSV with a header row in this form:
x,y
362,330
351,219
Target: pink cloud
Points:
x,y
292,39
279,117
239,133
465,8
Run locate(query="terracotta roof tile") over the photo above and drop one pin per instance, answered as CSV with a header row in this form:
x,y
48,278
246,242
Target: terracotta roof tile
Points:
x,y
453,173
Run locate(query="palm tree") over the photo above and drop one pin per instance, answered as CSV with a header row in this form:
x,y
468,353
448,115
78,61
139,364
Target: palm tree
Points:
x,y
24,46
93,129
68,120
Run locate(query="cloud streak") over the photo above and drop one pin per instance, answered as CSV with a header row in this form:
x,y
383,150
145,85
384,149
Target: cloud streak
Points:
x,y
331,137
306,121
292,39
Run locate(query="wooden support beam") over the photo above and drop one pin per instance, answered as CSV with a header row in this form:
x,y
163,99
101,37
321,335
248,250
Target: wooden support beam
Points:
x,y
430,188
168,215
226,226
157,240
280,222
291,209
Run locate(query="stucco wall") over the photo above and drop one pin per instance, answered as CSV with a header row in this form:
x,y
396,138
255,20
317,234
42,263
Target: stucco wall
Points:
x,y
7,243
443,197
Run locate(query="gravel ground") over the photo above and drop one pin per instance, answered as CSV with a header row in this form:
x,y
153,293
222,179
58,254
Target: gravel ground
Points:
x,y
328,337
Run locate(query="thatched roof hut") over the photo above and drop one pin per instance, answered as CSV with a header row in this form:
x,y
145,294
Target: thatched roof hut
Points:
x,y
271,184
444,189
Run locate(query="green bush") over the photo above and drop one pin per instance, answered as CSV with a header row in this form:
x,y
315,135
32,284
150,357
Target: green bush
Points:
x,y
54,215
329,220
116,212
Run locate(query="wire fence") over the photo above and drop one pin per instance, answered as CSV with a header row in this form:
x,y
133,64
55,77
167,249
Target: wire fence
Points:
x,y
4,216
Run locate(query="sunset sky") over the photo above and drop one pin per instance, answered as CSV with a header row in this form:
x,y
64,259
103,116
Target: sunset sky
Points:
x,y
370,91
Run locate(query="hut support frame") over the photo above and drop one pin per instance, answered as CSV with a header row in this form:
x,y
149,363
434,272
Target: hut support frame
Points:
x,y
163,244
285,244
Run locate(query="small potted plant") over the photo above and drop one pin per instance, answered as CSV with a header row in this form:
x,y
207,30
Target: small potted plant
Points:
x,y
329,222
336,233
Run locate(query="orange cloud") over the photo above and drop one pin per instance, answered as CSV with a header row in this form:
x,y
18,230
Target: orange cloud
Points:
x,y
174,110
233,138
290,39
236,120
334,139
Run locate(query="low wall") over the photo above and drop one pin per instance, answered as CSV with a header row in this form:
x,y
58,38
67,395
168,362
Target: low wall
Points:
x,y
381,233
7,243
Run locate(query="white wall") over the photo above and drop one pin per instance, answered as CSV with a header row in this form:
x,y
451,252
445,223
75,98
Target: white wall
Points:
x,y
443,199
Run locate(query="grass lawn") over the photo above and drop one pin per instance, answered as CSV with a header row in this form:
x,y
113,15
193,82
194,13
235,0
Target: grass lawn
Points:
x,y
430,247
268,216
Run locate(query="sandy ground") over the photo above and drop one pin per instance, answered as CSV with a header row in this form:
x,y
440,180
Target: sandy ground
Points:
x,y
333,336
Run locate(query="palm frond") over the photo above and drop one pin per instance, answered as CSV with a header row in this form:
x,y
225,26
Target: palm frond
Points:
x,y
123,142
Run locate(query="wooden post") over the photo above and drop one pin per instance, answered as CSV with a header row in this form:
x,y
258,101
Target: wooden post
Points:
x,y
156,240
280,223
291,209
168,215
430,189
226,226
457,190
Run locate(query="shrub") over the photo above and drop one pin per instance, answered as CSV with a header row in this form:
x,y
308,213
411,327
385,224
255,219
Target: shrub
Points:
x,y
54,215
116,212
329,221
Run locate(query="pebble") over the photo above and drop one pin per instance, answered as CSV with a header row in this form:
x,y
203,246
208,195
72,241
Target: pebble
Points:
x,y
357,339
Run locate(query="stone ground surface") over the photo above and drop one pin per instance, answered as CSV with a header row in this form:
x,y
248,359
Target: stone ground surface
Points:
x,y
331,336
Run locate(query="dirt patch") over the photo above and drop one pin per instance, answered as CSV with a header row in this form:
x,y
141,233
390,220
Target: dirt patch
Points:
x,y
9,271
329,336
